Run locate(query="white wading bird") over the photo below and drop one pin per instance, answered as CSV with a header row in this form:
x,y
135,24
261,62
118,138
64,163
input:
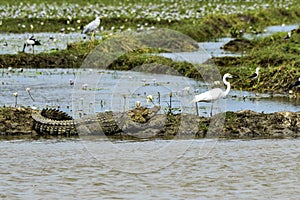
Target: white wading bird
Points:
x,y
213,94
91,27
31,42
255,75
288,36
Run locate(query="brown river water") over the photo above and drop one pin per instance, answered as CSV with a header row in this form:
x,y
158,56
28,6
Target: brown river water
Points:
x,y
176,169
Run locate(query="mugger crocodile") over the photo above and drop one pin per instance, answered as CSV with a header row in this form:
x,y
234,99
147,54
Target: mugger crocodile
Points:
x,y
139,122
149,123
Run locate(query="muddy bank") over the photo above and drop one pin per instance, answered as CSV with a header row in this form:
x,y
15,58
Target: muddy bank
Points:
x,y
18,122
25,60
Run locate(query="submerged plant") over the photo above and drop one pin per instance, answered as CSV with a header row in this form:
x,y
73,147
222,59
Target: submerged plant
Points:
x,y
28,91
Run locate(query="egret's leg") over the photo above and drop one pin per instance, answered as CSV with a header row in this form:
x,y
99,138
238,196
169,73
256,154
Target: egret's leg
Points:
x,y
257,82
24,47
92,39
197,111
211,108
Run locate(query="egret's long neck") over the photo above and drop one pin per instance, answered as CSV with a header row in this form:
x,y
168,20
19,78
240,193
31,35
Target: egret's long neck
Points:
x,y
228,86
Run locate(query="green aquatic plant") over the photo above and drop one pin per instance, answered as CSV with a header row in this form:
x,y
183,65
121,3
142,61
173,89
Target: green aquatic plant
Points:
x,y
16,98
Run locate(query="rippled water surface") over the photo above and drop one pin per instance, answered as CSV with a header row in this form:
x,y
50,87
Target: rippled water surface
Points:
x,y
192,169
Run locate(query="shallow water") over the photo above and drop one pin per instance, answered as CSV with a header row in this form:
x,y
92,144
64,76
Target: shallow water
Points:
x,y
12,43
192,169
101,90
206,51
270,30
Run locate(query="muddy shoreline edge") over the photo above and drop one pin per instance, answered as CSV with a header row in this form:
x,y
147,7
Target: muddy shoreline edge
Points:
x,y
16,123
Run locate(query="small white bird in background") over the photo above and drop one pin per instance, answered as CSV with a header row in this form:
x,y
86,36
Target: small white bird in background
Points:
x,y
255,75
71,81
31,42
288,36
213,94
91,27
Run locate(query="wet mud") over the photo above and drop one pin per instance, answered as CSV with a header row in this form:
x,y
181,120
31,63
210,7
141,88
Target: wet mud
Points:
x,y
18,122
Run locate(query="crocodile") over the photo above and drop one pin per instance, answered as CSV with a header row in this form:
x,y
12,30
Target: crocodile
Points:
x,y
140,122
53,122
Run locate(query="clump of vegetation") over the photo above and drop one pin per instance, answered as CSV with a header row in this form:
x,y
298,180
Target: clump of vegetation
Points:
x,y
278,59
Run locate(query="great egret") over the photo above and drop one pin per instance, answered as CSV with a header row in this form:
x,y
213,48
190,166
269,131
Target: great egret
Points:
x,y
213,94
255,75
31,41
91,27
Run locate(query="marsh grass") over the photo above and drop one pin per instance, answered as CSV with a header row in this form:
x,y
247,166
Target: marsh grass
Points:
x,y
278,59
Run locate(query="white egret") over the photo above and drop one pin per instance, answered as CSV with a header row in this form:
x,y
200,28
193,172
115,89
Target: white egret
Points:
x,y
91,27
255,75
213,94
31,41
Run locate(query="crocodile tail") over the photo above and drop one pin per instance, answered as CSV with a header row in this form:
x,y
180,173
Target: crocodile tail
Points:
x,y
53,122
